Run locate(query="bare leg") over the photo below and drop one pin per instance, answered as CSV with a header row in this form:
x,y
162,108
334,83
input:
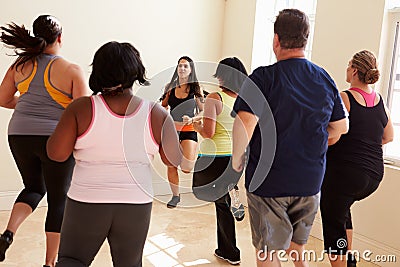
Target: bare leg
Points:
x,y
269,260
295,252
189,148
173,179
18,215
52,244
338,260
349,233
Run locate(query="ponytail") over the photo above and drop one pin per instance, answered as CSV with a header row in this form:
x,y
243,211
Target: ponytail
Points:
x,y
25,46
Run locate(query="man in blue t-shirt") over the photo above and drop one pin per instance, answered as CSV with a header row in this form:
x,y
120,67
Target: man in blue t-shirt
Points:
x,y
288,111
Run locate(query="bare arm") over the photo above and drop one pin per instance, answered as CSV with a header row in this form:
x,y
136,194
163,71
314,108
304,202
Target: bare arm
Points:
x,y
388,132
79,84
243,129
164,102
337,128
166,136
346,101
200,101
8,99
61,143
212,108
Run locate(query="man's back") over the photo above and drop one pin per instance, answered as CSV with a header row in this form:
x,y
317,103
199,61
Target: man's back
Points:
x,y
302,98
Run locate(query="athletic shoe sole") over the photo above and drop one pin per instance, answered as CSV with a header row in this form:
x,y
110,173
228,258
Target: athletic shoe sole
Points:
x,y
228,260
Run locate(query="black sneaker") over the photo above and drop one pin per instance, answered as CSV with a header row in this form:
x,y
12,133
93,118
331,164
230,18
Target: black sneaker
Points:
x,y
5,241
174,201
351,260
218,254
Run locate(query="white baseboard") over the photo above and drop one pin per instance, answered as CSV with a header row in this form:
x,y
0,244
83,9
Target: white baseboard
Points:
x,y
363,244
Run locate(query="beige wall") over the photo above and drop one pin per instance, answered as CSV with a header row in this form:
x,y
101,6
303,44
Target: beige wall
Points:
x,y
161,30
343,28
211,30
238,30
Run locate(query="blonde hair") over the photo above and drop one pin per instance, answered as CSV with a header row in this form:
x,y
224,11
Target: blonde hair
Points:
x,y
367,69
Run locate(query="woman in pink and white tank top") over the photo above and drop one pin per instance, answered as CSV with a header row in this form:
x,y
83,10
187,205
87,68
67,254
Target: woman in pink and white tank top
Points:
x,y
114,136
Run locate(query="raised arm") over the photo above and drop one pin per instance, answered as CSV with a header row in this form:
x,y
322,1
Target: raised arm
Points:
x,y
8,99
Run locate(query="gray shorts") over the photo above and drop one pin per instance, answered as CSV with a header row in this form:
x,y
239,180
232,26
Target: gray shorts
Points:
x,y
275,222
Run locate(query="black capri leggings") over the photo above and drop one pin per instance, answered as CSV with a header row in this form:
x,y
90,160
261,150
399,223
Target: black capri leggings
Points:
x,y
40,175
213,177
343,185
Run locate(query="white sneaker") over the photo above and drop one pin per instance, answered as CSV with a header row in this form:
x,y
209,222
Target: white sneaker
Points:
x,y
237,207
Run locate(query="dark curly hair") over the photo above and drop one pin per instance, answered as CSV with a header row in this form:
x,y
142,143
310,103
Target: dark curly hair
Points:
x,y
116,66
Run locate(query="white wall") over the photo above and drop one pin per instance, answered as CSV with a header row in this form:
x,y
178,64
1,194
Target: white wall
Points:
x,y
161,30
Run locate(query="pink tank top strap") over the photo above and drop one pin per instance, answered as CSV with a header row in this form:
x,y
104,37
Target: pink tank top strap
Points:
x,y
368,98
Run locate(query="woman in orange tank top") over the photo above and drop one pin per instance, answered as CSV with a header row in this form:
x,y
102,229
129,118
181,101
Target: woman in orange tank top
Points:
x,y
183,96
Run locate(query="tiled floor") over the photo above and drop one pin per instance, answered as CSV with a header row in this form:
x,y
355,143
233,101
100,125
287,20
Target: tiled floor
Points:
x,y
185,236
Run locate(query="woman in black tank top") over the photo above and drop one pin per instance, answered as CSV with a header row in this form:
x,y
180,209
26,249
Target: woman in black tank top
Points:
x,y
183,96
354,166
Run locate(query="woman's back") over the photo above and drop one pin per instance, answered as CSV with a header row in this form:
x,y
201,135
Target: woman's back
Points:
x,y
41,102
362,145
221,142
61,73
113,156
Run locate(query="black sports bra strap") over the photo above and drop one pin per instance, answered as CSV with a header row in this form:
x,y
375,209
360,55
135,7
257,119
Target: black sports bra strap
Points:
x,y
220,97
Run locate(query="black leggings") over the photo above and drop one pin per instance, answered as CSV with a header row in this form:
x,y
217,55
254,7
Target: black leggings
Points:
x,y
87,225
40,175
343,185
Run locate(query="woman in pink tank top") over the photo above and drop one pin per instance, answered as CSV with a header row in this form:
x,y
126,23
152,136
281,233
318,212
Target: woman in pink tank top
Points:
x,y
111,195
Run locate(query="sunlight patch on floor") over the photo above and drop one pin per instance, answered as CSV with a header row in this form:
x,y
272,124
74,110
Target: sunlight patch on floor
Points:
x,y
162,251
